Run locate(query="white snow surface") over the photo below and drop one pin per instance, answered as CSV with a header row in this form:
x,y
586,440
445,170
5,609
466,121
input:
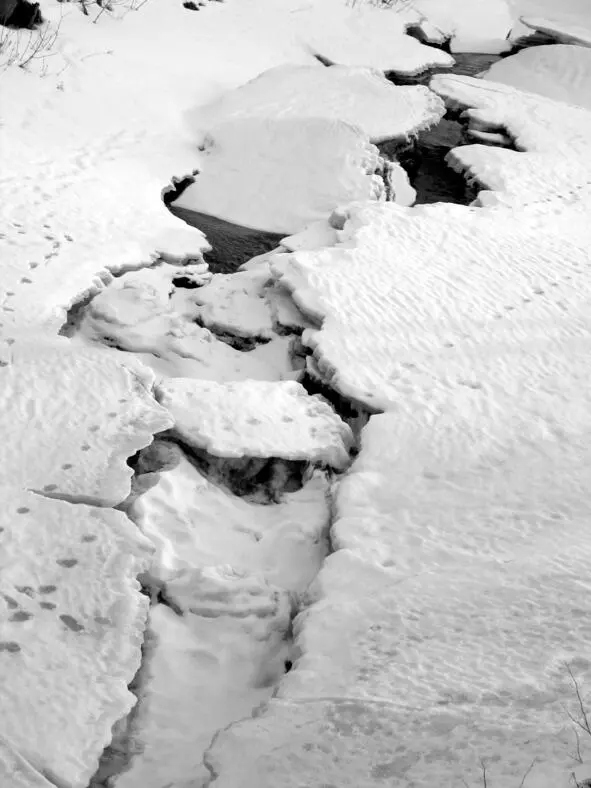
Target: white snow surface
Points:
x,y
279,175
564,30
359,96
71,627
438,630
560,72
102,411
256,419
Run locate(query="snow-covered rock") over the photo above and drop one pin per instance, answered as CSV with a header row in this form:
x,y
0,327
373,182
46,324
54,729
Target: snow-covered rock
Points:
x,y
299,170
256,419
71,621
560,72
355,95
477,26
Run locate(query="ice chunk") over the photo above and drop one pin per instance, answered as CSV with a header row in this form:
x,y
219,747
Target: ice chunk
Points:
x,y
71,621
561,72
299,169
257,419
359,96
102,411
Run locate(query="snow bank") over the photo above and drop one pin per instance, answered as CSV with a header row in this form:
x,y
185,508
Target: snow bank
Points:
x,y
359,96
375,38
560,72
477,26
298,169
72,620
257,419
563,30
102,411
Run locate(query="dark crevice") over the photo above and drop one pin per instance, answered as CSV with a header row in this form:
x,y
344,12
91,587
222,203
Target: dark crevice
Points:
x,y
85,500
355,415
238,342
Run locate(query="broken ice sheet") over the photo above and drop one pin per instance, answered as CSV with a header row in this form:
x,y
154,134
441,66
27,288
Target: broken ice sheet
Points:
x,y
71,626
193,522
257,419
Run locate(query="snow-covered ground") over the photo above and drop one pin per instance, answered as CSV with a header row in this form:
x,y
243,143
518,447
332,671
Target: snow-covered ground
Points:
x,y
203,580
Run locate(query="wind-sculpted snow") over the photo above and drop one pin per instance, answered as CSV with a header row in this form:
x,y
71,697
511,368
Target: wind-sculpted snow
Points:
x,y
406,288
70,418
560,72
71,625
256,419
359,96
299,169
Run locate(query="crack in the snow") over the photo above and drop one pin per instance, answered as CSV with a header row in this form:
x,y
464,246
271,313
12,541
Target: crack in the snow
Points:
x,y
84,500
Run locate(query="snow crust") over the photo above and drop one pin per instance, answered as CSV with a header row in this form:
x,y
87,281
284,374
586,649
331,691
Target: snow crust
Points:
x,y
298,169
165,325
71,622
564,30
559,72
359,96
101,410
256,419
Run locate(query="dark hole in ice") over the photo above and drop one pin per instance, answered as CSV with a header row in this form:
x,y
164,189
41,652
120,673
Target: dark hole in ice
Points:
x,y
191,5
288,665
186,282
232,245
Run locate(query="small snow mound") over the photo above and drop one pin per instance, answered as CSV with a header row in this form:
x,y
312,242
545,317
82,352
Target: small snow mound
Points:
x,y
257,419
359,96
475,26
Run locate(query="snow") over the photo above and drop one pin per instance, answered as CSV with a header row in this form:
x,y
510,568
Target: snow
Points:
x,y
559,72
375,39
477,26
299,169
71,618
436,633
359,96
101,410
256,419
145,313
563,30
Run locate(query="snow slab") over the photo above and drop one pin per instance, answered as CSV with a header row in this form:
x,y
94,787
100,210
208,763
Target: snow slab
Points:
x,y
70,419
71,621
257,419
563,30
559,72
535,123
146,314
194,523
377,40
235,304
299,170
359,96
477,26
